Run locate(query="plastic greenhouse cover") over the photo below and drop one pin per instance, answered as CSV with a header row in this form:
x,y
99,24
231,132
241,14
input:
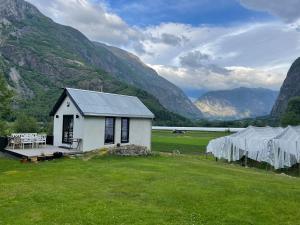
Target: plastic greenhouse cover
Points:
x,y
276,146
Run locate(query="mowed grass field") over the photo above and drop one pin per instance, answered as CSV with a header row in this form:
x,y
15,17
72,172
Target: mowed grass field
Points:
x,y
159,189
191,142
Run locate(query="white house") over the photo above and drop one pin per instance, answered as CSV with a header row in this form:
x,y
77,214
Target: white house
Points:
x,y
97,120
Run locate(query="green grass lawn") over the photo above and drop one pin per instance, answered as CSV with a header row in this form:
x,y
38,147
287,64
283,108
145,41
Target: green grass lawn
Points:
x,y
154,190
158,190
192,142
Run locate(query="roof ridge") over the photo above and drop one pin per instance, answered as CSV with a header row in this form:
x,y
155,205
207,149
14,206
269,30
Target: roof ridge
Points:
x,y
100,92
107,104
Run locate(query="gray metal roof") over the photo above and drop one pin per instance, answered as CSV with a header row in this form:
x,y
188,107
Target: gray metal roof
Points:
x,y
92,103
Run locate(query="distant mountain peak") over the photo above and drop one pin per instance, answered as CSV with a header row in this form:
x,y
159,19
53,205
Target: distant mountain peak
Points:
x,y
17,9
237,103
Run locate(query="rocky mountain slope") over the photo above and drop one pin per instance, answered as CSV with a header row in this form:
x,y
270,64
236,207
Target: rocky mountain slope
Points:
x,y
39,56
131,70
289,89
237,103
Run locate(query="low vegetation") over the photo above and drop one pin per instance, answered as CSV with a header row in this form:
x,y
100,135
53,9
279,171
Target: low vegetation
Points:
x,y
159,189
25,124
191,142
5,105
259,122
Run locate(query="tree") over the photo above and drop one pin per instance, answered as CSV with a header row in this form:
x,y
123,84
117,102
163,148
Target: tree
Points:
x,y
292,114
5,104
25,124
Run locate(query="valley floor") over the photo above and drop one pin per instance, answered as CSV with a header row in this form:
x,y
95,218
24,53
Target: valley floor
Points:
x,y
191,142
161,189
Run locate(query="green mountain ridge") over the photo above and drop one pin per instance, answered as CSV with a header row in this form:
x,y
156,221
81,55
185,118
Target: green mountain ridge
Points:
x,y
39,57
289,89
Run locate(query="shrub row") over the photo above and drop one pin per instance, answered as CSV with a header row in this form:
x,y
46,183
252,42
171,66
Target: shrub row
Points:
x,y
3,142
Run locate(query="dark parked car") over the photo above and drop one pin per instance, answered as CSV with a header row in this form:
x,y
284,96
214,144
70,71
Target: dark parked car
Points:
x,y
178,132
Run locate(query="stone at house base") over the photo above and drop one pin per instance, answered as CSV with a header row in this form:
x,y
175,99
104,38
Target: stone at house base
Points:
x,y
129,150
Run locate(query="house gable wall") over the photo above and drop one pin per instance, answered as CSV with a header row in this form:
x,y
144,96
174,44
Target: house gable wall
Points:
x,y
58,122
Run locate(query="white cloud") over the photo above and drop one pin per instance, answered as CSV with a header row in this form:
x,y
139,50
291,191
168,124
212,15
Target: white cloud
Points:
x,y
98,23
92,19
254,45
200,57
194,37
194,59
250,55
288,10
203,78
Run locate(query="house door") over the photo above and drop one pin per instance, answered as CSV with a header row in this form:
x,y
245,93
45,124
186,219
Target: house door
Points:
x,y
67,131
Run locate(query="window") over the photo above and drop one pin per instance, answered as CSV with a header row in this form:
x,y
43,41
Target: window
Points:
x,y
109,130
124,130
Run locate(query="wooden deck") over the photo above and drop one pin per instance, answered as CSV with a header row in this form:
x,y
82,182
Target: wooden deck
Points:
x,y
44,151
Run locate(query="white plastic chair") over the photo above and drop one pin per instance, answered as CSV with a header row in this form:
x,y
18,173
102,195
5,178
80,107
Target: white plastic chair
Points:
x,y
27,140
41,139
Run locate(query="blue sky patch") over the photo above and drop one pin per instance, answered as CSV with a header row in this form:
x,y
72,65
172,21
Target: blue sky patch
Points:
x,y
153,12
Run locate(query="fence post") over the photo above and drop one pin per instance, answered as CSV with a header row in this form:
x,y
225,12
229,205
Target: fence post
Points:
x,y
246,154
298,157
231,154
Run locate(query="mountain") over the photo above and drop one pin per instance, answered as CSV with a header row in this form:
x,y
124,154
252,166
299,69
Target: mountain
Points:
x,y
39,57
237,103
131,70
289,89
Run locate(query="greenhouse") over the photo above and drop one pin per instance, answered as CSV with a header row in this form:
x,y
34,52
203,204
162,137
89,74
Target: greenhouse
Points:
x,y
276,146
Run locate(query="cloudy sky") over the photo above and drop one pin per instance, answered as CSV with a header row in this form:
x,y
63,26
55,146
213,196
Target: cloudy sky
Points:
x,y
198,45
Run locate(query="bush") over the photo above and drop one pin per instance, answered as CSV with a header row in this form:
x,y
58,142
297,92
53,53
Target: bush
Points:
x,y
49,130
3,128
25,124
5,105
5,98
3,142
